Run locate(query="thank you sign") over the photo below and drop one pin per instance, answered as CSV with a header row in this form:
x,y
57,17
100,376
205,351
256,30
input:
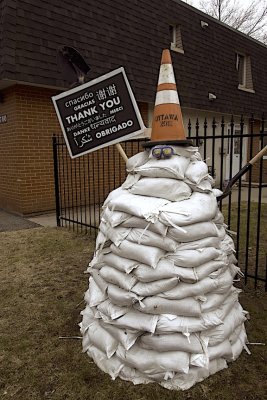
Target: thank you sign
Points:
x,y
98,113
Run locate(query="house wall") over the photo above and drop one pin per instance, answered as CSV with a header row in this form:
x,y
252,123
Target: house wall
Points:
x,y
9,153
26,161
26,157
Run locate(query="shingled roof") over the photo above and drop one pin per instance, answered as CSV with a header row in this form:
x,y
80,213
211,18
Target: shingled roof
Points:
x,y
132,34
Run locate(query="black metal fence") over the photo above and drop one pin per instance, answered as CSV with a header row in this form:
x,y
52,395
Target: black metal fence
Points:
x,y
82,184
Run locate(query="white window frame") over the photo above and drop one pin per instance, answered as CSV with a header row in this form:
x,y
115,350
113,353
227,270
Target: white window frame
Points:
x,y
244,73
243,85
174,46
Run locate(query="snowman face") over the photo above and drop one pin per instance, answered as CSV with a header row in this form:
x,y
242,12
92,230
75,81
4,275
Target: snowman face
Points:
x,y
163,151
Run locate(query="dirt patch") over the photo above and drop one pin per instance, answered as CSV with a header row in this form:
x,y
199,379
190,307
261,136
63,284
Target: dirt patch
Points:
x,y
42,284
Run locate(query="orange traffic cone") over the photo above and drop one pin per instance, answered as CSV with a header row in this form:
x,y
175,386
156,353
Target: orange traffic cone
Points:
x,y
167,126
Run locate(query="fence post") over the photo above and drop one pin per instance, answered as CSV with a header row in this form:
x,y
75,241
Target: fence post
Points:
x,y
55,158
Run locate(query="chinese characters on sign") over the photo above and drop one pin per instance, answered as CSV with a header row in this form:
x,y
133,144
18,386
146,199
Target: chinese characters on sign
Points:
x,y
99,113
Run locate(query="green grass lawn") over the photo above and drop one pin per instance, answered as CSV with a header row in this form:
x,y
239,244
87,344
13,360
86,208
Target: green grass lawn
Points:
x,y
42,284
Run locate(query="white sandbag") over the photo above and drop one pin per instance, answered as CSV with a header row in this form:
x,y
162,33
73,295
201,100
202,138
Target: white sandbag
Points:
x,y
94,295
152,288
233,319
122,297
111,366
130,180
173,167
126,337
188,307
204,186
112,275
172,341
199,207
136,320
141,223
193,258
218,218
122,264
165,269
166,188
184,290
194,375
150,238
221,231
223,310
114,218
87,319
196,171
236,333
137,377
221,350
144,254
208,268
101,240
232,259
112,311
136,205
193,232
172,323
100,338
210,318
115,235
113,195
136,161
134,376
239,345
217,274
224,281
217,192
200,244
153,362
181,324
212,301
227,245
101,283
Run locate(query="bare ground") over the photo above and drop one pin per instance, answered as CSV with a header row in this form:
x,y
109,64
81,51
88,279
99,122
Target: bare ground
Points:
x,y
42,284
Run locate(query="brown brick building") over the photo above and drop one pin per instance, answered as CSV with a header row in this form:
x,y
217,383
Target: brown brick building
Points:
x,y
210,59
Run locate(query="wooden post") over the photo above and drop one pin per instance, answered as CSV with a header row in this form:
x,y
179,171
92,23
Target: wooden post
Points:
x,y
122,152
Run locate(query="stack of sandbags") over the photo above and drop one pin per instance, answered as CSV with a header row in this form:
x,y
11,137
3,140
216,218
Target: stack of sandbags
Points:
x,y
161,305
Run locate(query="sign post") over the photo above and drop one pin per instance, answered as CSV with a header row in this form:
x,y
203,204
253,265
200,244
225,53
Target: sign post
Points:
x,y
99,113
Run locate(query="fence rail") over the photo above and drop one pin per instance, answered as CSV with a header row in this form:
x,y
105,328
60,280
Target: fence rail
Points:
x,y
82,184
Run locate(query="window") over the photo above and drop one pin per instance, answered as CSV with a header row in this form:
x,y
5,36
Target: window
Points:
x,y
176,38
243,67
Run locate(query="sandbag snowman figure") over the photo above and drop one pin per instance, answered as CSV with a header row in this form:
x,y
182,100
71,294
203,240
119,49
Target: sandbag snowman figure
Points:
x,y
161,305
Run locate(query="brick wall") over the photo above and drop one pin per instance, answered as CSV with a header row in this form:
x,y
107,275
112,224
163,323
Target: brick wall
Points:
x,y
26,163
26,159
9,153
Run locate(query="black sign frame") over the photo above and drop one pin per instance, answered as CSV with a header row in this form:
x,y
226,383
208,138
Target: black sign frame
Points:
x,y
98,113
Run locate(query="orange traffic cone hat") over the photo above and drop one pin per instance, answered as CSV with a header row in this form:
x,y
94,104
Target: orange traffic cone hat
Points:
x,y
167,125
